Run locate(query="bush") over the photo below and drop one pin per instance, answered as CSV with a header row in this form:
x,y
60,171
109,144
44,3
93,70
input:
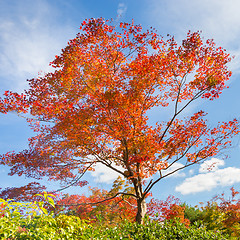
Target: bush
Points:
x,y
169,230
32,221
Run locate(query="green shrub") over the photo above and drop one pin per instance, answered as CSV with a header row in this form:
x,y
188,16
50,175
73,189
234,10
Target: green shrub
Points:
x,y
194,214
169,230
32,221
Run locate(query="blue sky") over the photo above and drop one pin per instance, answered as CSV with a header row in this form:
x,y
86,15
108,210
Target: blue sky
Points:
x,y
33,32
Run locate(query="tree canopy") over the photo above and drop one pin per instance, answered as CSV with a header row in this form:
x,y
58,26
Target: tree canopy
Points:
x,y
96,105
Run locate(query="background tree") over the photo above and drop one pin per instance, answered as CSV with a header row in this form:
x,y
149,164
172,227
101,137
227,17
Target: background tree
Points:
x,y
223,214
171,208
193,214
112,211
24,193
95,107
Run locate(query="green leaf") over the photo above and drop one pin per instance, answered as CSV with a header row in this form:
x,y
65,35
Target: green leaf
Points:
x,y
51,202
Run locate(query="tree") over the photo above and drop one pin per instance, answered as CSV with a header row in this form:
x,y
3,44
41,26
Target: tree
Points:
x,y
171,208
95,107
24,193
113,211
222,213
193,214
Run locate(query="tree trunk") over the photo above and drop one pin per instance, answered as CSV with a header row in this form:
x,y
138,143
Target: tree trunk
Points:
x,y
141,210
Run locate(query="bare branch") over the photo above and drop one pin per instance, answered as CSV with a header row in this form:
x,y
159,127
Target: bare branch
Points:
x,y
75,181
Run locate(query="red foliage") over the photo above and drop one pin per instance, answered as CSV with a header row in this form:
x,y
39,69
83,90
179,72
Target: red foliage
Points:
x,y
95,107
168,209
112,210
2,210
23,194
231,208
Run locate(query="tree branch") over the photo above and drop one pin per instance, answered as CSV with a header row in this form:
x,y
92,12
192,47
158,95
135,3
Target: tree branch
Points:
x,y
75,181
98,202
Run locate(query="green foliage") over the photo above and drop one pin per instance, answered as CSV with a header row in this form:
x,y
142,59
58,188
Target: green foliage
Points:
x,y
194,214
71,227
45,226
223,216
213,218
48,198
32,221
169,230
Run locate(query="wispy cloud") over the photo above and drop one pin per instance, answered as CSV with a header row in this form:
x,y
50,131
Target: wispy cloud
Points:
x,y
217,19
174,167
28,42
211,165
207,180
121,11
103,174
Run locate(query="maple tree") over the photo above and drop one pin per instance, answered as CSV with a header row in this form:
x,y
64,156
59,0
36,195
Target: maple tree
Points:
x,y
25,193
113,211
95,107
169,209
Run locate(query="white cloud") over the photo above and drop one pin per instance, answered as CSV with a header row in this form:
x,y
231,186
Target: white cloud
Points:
x,y
122,9
191,171
29,40
175,166
103,174
217,19
211,165
206,181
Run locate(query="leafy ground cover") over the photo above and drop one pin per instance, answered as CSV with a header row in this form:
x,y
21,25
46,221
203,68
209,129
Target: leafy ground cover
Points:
x,y
72,227
32,221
